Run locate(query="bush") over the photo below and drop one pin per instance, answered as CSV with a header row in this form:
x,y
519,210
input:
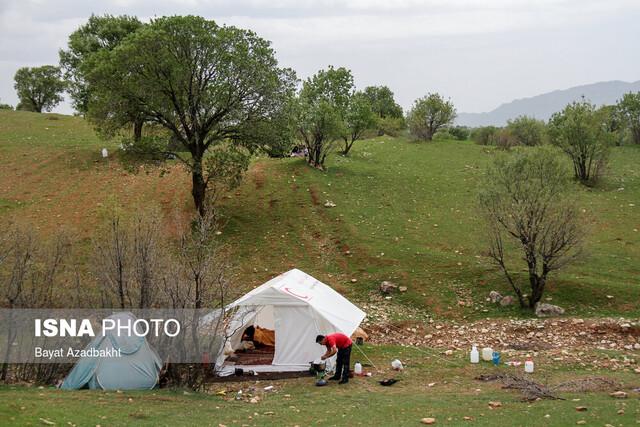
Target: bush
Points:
x,y
461,133
580,132
484,135
527,130
5,107
504,139
391,126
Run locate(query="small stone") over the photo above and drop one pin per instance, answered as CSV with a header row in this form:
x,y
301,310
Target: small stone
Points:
x,y
581,408
387,287
548,310
428,421
495,404
506,301
581,422
618,395
495,297
403,289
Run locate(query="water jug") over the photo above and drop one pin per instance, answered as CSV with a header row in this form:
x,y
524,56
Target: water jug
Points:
x,y
487,354
528,366
475,356
357,368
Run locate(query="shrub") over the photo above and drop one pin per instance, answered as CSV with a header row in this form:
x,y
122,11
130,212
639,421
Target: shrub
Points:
x,y
580,132
504,139
527,130
484,135
461,133
391,126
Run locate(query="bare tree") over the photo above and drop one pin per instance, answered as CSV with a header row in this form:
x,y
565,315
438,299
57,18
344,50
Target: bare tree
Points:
x,y
197,279
28,274
127,255
146,256
112,257
526,205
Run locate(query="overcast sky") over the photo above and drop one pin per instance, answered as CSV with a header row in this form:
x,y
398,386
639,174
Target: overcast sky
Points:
x,y
480,53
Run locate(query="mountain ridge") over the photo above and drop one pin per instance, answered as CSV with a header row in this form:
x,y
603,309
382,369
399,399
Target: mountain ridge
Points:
x,y
544,105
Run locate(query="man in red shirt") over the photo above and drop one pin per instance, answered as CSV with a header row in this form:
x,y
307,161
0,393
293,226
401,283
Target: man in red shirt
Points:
x,y
341,344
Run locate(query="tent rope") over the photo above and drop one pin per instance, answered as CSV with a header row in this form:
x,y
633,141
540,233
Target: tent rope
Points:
x,y
423,350
366,357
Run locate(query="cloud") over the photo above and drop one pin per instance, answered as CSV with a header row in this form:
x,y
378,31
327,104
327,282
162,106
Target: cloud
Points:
x,y
479,52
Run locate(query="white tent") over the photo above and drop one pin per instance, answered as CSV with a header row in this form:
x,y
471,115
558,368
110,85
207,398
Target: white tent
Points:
x,y
297,307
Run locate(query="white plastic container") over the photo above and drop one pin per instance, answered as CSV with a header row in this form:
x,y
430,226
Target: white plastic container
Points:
x,y
475,355
487,354
105,153
357,368
528,366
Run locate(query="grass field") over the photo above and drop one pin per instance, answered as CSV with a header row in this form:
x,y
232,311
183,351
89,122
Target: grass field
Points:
x,y
405,212
428,387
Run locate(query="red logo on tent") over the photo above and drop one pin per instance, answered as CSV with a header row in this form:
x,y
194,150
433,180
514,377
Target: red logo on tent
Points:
x,y
297,295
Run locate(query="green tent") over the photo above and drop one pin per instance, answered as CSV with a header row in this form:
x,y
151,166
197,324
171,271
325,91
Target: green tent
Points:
x,y
137,368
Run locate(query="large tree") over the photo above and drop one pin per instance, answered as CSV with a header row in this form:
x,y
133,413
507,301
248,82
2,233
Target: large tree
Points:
x,y
206,84
358,119
322,105
430,114
526,201
582,134
39,88
382,102
629,110
99,33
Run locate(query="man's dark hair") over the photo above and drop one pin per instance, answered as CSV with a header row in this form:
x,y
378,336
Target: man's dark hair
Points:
x,y
319,339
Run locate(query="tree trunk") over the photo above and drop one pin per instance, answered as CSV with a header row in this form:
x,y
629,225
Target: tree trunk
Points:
x,y
537,289
137,130
199,186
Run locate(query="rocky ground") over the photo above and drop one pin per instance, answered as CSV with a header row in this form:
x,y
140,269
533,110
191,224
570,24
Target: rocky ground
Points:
x,y
597,343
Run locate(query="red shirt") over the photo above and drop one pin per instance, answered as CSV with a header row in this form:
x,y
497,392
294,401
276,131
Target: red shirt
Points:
x,y
338,340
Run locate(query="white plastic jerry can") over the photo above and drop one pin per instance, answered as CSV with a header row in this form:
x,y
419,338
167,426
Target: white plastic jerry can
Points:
x,y
357,368
475,355
528,366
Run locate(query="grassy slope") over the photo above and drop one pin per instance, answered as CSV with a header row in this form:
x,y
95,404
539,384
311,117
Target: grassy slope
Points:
x,y
363,402
405,212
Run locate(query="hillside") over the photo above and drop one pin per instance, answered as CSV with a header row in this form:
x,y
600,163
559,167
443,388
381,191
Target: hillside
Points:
x,y
404,212
543,106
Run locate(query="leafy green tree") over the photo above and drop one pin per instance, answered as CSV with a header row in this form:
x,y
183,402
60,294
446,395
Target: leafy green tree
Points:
x,y
579,131
358,118
39,88
629,108
530,216
206,84
382,102
461,133
322,106
430,114
5,106
100,33
527,130
613,122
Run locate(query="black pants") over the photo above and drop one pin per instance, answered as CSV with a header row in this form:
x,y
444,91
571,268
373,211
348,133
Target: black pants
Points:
x,y
343,362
